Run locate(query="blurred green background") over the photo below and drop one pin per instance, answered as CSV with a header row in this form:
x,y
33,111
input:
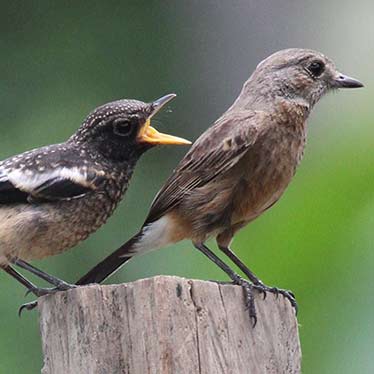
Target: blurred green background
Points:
x,y
60,59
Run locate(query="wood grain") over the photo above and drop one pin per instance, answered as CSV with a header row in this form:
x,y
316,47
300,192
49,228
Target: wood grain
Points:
x,y
166,325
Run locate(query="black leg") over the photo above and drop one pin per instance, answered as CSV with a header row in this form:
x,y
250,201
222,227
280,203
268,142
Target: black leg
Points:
x,y
19,277
247,287
58,283
25,282
236,260
37,291
257,283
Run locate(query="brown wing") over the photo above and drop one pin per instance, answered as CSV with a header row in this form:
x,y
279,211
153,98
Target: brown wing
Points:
x,y
216,151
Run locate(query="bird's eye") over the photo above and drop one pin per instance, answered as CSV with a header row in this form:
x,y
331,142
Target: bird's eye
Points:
x,y
316,68
122,127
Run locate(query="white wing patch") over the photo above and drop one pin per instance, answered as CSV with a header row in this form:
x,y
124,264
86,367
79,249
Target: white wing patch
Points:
x,y
3,175
27,180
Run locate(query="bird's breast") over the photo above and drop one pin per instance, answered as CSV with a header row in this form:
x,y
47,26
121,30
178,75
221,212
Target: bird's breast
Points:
x,y
265,172
35,231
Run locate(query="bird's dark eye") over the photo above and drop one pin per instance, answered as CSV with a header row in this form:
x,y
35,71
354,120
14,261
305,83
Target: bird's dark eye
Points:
x,y
316,68
123,127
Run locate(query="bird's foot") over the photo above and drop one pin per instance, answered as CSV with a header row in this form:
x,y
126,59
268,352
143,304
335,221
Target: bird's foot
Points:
x,y
39,291
27,306
248,295
249,298
277,291
262,288
42,292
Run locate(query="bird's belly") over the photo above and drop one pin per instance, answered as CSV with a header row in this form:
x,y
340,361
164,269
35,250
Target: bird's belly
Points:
x,y
248,208
29,232
258,194
265,174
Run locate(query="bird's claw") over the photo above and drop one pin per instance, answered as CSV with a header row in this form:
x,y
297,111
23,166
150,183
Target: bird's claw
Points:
x,y
27,306
248,295
264,294
249,298
277,291
38,291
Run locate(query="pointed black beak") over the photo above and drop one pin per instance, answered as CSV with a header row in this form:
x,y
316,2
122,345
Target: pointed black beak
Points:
x,y
343,81
161,102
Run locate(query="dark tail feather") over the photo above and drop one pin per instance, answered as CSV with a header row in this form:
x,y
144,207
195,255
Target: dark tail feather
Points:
x,y
110,264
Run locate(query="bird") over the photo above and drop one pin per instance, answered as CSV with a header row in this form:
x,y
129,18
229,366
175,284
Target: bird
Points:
x,y
238,168
53,197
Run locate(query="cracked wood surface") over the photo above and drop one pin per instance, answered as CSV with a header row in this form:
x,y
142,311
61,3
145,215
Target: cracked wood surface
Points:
x,y
166,325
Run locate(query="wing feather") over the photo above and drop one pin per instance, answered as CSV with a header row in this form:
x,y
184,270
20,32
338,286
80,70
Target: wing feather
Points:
x,y
10,194
214,153
21,186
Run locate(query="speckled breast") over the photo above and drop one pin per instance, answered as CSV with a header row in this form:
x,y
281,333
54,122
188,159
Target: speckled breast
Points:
x,y
54,228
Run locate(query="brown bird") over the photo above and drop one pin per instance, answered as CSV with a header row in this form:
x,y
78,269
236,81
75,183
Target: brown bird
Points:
x,y
53,197
239,167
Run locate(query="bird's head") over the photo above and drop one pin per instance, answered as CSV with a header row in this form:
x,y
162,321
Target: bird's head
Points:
x,y
122,129
298,74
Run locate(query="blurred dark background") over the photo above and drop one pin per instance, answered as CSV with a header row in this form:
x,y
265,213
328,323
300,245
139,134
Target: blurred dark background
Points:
x,y
59,60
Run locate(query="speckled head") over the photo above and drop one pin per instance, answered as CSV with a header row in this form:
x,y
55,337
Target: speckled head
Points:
x,y
122,128
300,74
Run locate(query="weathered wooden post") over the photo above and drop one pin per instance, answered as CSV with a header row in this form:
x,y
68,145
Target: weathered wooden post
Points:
x,y
166,325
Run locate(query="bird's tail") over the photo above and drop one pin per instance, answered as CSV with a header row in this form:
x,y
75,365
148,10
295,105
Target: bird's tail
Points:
x,y
150,237
110,264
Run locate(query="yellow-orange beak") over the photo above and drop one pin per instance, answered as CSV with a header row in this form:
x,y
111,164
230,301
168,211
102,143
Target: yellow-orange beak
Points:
x,y
150,135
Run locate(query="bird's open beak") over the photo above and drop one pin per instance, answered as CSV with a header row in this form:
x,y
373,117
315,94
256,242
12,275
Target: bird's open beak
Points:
x,y
343,81
150,135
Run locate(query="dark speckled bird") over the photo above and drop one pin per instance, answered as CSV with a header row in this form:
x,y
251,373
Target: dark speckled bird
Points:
x,y
53,197
239,167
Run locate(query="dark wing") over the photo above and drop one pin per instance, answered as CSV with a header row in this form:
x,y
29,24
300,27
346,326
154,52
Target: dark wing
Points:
x,y
59,189
18,186
214,153
10,194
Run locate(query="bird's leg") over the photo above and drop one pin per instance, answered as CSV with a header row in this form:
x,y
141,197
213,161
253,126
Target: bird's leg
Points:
x,y
236,260
257,283
25,282
20,278
58,283
30,287
247,287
